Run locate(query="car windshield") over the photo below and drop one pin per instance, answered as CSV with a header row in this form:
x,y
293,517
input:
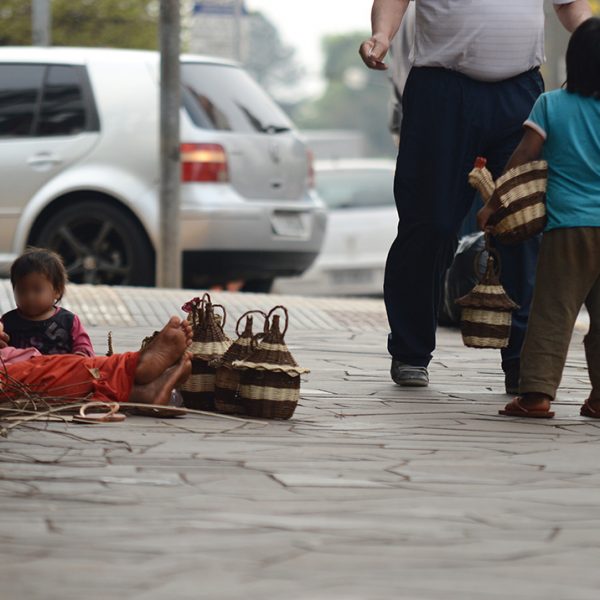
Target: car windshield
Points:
x,y
357,188
227,98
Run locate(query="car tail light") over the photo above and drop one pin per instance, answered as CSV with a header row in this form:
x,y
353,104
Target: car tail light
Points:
x,y
204,163
310,157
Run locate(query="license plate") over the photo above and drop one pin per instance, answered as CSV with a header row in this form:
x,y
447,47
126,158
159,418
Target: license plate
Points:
x,y
289,224
352,276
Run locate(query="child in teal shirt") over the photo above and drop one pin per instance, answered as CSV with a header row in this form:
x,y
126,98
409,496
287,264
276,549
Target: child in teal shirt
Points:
x,y
564,129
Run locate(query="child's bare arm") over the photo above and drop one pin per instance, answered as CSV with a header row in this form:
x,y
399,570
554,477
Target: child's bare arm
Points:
x,y
529,148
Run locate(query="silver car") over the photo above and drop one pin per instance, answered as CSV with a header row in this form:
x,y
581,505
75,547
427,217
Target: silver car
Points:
x,y
79,168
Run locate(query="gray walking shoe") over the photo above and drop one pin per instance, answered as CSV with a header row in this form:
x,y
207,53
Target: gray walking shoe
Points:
x,y
409,375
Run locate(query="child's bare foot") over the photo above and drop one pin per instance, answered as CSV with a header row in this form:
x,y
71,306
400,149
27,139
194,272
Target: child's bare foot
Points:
x,y
186,327
529,405
158,392
163,351
535,401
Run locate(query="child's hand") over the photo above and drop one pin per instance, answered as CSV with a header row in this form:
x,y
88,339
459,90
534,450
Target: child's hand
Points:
x,y
4,337
483,216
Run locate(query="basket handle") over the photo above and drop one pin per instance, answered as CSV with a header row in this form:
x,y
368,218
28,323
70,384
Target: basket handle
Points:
x,y
224,312
493,257
286,314
251,312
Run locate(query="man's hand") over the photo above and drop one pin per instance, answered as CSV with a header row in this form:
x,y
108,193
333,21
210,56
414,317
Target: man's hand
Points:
x,y
373,51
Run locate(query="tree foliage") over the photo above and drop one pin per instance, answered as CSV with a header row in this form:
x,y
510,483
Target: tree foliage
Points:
x,y
355,97
115,23
272,63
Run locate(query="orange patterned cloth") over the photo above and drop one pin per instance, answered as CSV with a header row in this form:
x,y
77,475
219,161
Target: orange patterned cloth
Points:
x,y
104,378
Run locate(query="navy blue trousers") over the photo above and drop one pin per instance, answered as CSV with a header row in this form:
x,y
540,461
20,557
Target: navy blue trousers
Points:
x,y
449,120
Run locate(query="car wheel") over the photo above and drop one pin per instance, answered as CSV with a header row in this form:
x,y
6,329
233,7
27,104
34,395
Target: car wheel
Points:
x,y
100,244
258,286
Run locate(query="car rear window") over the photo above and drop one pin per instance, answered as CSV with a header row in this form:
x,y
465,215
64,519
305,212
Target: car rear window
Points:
x,y
63,110
45,100
356,188
20,90
227,98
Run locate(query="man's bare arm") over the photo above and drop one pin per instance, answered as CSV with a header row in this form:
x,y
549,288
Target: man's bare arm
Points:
x,y
386,16
573,14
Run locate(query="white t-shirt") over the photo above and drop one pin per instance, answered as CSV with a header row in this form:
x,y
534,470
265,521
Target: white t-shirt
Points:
x,y
488,40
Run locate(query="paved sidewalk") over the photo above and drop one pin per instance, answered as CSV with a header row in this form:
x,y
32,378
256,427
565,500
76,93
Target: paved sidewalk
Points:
x,y
370,492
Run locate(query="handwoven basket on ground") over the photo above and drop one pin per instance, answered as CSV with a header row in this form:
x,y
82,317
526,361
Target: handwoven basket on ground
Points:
x,y
487,310
521,194
270,379
227,379
209,343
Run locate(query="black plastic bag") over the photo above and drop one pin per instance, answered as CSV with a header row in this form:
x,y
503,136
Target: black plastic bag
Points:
x,y
461,278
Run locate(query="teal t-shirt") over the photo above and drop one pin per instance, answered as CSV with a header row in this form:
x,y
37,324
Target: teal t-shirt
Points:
x,y
570,124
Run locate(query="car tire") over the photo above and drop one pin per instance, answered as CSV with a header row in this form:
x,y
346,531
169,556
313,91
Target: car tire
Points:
x,y
100,244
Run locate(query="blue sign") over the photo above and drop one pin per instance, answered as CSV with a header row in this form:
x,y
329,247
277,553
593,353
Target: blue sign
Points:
x,y
218,7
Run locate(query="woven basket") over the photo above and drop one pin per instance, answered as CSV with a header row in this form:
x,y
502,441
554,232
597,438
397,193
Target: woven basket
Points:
x,y
481,179
208,344
521,194
487,310
270,379
195,311
227,379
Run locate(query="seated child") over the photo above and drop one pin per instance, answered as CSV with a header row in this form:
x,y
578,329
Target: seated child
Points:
x,y
39,279
564,127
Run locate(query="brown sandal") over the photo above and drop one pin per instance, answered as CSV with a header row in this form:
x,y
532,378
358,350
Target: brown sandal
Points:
x,y
515,409
588,411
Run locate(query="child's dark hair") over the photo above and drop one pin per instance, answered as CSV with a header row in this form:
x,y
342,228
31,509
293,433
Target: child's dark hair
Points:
x,y
40,260
583,59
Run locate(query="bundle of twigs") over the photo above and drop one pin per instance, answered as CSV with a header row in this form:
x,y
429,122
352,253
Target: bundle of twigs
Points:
x,y
20,404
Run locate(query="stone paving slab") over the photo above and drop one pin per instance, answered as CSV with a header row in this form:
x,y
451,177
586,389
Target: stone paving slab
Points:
x,y
370,492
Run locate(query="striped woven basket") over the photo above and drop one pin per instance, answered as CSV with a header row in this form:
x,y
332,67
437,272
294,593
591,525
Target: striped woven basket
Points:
x,y
487,310
209,343
270,379
227,379
521,194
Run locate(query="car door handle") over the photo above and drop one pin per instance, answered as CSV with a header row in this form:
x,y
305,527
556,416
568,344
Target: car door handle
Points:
x,y
44,159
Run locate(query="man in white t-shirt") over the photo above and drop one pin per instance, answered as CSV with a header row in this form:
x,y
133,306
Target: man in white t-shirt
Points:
x,y
474,80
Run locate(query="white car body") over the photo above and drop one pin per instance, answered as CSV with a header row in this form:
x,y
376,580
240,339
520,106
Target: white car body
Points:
x,y
361,228
263,219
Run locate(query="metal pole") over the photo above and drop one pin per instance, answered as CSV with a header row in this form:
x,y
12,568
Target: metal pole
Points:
x,y
41,19
237,30
168,272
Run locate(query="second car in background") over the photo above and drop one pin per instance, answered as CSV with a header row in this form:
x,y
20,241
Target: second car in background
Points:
x,y
362,225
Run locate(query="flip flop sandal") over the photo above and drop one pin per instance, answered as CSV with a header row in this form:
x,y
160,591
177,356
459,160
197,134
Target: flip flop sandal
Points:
x,y
515,409
112,416
588,411
157,411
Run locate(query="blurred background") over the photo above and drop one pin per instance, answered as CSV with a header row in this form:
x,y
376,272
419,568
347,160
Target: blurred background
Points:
x,y
305,55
